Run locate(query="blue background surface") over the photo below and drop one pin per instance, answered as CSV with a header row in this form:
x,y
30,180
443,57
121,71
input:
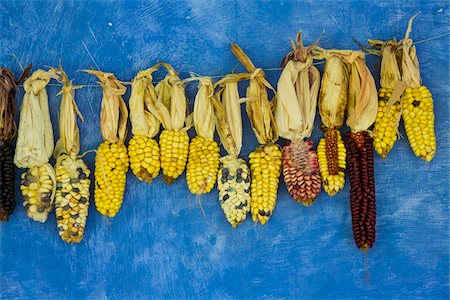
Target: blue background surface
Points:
x,y
161,244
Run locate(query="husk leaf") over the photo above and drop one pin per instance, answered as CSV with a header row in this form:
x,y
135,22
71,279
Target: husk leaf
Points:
x,y
363,99
114,113
35,135
143,92
204,109
410,62
69,136
258,106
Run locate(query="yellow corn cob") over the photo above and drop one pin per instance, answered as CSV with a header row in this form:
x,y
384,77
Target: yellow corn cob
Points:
x,y
111,166
144,157
386,124
331,156
203,160
143,150
418,115
71,198
38,189
265,167
418,112
203,163
111,161
174,153
233,183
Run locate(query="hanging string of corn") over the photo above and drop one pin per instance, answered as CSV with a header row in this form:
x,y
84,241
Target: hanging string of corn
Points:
x,y
295,110
111,161
35,147
418,112
233,177
385,129
361,113
332,102
72,174
265,161
203,159
143,149
171,110
8,132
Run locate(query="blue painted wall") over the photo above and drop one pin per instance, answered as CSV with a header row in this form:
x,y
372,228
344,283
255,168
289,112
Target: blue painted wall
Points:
x,y
161,244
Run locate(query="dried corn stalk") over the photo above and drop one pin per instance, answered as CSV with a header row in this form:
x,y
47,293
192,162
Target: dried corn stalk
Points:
x,y
72,174
35,146
361,110
8,132
233,177
295,110
143,149
265,161
171,110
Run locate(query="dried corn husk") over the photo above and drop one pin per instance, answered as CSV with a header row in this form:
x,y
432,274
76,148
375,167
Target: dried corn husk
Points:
x,y
203,114
114,113
171,106
228,113
35,135
363,98
410,62
297,92
259,107
142,93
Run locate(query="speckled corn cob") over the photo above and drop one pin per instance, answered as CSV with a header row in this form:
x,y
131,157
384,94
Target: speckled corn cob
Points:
x,y
301,172
331,157
72,198
111,166
174,147
418,116
203,164
234,189
38,186
144,157
386,123
265,166
7,198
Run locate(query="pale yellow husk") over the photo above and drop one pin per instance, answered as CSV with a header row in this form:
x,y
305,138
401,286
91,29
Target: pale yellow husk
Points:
x,y
258,106
114,113
410,62
363,98
35,134
204,109
143,94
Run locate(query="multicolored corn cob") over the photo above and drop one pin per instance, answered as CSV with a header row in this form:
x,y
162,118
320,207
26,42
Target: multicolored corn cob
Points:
x,y
204,152
361,114
111,161
295,110
418,112
143,149
265,161
7,173
233,177
35,146
171,110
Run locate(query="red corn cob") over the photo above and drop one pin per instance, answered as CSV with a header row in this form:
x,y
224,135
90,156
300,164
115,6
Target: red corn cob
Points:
x,y
300,170
362,187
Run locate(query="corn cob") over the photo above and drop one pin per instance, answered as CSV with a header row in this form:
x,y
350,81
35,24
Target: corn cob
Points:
x,y
361,111
143,149
389,107
203,159
233,177
111,161
265,161
72,174
35,146
332,102
8,132
295,111
171,110
418,112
